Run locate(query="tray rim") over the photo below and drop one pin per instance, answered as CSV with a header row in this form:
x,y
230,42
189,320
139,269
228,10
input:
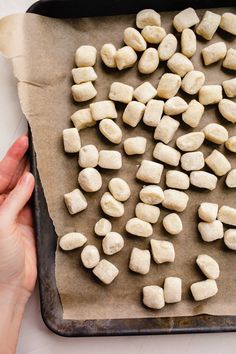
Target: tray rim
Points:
x,y
107,327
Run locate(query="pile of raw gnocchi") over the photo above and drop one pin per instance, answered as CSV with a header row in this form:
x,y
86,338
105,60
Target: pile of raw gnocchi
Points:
x,y
142,103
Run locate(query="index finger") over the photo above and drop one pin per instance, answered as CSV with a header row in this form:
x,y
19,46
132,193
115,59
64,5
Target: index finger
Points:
x,y
9,164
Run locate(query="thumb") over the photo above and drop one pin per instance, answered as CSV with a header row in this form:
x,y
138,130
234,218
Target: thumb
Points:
x,y
17,198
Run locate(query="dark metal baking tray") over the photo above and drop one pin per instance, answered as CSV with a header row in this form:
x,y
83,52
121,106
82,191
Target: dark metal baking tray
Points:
x,y
46,237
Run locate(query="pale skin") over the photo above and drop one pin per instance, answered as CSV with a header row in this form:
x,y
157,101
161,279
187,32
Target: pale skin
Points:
x,y
18,270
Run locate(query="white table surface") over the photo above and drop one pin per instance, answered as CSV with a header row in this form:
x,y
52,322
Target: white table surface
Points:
x,y
35,338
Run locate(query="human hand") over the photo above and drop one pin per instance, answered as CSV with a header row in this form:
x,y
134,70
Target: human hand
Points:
x,y
17,244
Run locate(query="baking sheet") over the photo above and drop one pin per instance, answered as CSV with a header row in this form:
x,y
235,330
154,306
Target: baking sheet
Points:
x,y
44,90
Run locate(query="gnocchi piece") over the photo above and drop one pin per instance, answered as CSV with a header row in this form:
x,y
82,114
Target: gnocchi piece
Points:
x,y
214,53
83,92
112,243
172,224
192,161
133,113
193,115
202,179
148,213
185,19
147,17
179,64
216,133
83,119
90,256
71,140
119,188
191,141
167,47
149,61
86,55
192,82
90,180
84,74
227,215
102,227
145,92
230,239
230,59
177,179
211,231
111,206
208,266
162,251
72,240
168,86
134,39
125,57
88,156
153,112
153,297
121,92
153,34
106,271
103,109
75,201
140,261
208,211
218,163
172,290
210,94
166,129
166,154
204,289
231,179
227,109
151,194
175,200
110,159
208,25
230,144
110,130
188,42
135,145
150,172
138,227
228,22
175,105
108,55
229,87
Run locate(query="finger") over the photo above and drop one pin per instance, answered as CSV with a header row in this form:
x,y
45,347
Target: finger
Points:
x,y
9,164
2,198
17,198
25,216
21,169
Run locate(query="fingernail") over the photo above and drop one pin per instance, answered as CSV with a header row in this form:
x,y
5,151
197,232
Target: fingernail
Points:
x,y
26,179
24,140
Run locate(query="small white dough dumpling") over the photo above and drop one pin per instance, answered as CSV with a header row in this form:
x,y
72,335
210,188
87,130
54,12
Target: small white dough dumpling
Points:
x,y
204,289
172,224
72,240
90,256
106,271
119,188
102,227
172,290
153,297
140,261
208,266
112,243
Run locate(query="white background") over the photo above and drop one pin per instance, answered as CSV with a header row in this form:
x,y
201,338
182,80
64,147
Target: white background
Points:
x,y
35,338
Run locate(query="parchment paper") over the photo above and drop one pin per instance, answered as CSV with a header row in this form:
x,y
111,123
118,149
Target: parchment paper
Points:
x,y
42,51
